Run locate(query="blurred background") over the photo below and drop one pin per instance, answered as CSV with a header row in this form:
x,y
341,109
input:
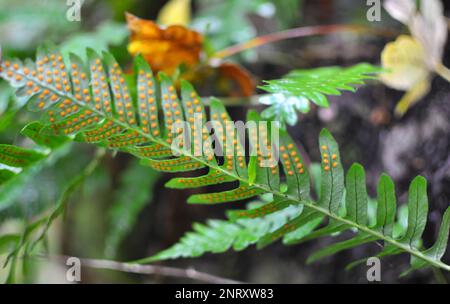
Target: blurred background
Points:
x,y
123,212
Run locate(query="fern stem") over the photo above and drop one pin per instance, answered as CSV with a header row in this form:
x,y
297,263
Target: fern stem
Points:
x,y
297,33
309,204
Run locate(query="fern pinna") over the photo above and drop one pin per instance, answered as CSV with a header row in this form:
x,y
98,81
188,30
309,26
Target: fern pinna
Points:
x,y
96,105
18,165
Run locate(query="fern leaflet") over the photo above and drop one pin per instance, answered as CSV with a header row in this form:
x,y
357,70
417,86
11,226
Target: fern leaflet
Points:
x,y
18,164
294,91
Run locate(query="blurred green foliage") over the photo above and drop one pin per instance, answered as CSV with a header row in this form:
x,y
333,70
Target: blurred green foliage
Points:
x,y
104,36
226,23
24,23
135,191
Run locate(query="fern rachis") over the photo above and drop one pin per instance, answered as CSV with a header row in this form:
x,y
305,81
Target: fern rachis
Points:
x,y
103,111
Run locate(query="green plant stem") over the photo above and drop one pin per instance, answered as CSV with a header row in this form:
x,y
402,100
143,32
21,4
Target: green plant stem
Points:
x,y
308,204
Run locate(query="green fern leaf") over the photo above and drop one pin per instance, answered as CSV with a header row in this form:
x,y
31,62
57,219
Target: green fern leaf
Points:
x,y
18,157
338,247
356,208
218,236
437,251
268,208
386,205
356,195
18,165
332,186
8,241
33,131
294,91
417,211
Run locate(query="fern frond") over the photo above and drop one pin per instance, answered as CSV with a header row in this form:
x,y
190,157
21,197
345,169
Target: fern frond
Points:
x,y
96,105
217,236
297,89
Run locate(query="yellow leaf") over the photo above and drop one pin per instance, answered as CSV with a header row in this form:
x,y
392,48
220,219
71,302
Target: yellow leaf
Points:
x,y
175,12
405,60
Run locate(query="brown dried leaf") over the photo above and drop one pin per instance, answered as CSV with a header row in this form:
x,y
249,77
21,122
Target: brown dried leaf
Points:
x,y
164,48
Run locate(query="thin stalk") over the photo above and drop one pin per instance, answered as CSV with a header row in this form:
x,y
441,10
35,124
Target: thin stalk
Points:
x,y
443,71
297,33
156,270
